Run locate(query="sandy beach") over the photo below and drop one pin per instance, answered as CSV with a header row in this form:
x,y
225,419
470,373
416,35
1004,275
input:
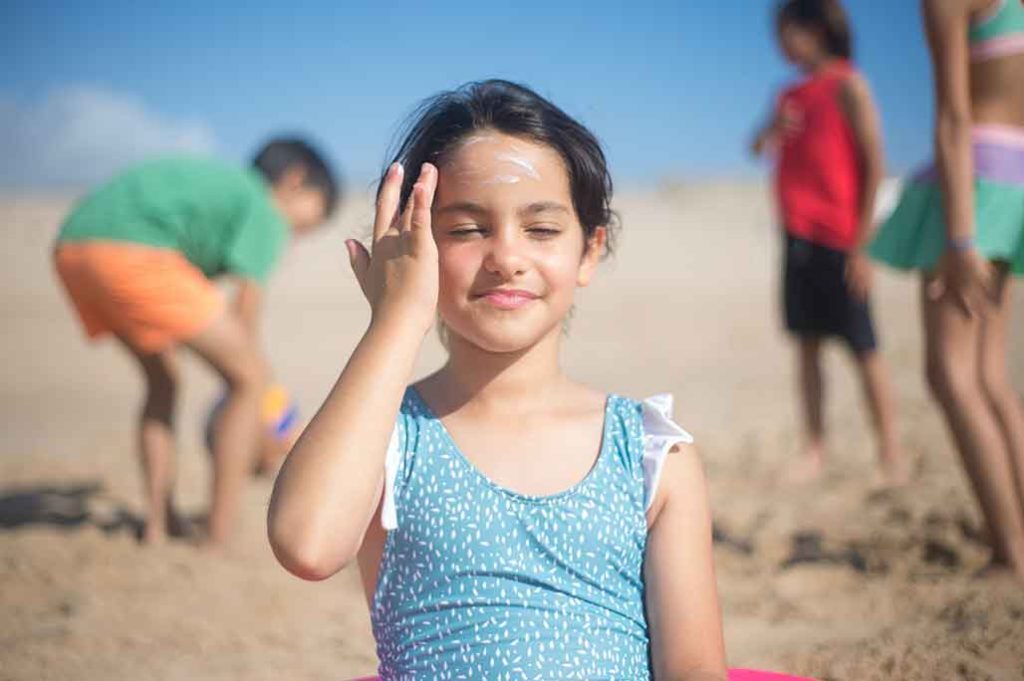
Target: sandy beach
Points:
x,y
836,580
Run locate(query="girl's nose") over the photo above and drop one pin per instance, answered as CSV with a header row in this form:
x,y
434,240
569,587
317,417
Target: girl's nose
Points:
x,y
505,255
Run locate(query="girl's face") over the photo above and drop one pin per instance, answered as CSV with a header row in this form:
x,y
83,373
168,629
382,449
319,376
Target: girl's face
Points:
x,y
510,246
801,46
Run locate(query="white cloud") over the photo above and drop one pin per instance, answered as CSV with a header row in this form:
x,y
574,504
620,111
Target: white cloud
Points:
x,y
80,135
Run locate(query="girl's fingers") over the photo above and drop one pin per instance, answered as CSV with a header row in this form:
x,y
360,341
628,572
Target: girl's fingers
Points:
x,y
359,258
965,305
404,221
988,280
420,218
387,200
420,199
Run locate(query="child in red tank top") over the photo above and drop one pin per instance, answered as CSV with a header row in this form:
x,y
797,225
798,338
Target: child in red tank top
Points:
x,y
826,135
821,168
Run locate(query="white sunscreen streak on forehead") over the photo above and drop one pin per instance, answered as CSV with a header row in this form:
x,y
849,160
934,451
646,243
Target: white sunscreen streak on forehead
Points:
x,y
521,162
520,165
503,179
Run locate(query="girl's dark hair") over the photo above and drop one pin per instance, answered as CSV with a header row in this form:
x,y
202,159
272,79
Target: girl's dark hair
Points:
x,y
440,122
827,16
283,153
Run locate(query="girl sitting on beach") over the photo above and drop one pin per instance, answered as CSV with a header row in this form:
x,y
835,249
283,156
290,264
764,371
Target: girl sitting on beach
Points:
x,y
508,521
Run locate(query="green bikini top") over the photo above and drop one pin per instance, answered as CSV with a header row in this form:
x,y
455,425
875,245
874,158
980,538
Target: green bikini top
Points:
x,y
999,32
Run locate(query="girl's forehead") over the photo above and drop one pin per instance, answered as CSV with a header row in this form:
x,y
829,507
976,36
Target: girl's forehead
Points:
x,y
499,173
493,157
494,171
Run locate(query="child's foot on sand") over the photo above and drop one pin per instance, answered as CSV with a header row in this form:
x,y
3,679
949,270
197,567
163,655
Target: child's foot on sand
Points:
x,y
211,545
153,534
173,526
998,570
807,469
893,472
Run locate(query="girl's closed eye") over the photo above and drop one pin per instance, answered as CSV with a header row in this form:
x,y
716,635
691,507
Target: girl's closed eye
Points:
x,y
544,231
466,231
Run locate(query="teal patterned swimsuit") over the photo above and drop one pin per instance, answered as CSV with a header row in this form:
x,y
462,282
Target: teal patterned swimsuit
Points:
x,y
480,582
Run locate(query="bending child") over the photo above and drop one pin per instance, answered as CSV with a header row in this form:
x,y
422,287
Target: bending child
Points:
x,y
137,257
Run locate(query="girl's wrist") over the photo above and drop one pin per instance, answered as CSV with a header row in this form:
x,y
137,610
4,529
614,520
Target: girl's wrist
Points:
x,y
400,324
960,244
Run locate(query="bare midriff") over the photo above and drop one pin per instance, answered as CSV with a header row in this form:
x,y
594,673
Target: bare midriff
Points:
x,y
997,91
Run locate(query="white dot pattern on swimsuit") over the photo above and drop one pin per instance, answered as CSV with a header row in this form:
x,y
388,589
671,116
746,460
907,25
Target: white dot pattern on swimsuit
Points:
x,y
480,582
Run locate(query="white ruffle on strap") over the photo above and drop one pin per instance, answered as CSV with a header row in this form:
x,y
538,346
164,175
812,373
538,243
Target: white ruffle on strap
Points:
x,y
661,434
392,460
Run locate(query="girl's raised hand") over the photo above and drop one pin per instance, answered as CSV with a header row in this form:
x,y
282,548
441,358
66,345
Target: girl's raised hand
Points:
x,y
399,275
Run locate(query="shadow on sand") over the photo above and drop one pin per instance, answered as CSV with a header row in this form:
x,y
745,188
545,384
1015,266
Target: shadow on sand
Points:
x,y
73,506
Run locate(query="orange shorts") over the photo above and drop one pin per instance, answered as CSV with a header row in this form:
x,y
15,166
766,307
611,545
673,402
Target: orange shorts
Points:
x,y
152,298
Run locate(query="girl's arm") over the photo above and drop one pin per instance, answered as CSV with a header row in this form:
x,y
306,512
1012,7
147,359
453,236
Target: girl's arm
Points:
x,y
947,23
330,485
859,108
965,274
682,599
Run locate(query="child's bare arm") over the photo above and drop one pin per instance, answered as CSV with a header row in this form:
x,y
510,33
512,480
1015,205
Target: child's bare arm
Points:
x,y
682,598
331,482
947,23
767,136
858,106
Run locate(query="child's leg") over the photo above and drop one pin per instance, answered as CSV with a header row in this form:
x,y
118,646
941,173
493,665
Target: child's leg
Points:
x,y
874,377
156,441
953,350
995,380
232,352
812,397
272,452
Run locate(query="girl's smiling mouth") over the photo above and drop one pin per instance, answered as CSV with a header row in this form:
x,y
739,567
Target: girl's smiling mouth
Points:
x,y
506,298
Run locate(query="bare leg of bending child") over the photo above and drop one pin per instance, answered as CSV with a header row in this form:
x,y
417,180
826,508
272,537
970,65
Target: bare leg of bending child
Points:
x,y
232,352
966,370
156,442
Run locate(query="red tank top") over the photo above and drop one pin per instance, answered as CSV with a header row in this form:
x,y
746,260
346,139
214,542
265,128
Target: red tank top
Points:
x,y
819,172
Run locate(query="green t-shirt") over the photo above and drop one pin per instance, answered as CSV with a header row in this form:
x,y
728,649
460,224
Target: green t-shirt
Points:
x,y
220,217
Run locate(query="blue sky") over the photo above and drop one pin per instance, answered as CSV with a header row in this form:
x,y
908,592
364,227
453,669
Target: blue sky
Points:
x,y
673,89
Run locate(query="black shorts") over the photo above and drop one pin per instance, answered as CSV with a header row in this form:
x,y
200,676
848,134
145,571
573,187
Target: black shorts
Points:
x,y
817,299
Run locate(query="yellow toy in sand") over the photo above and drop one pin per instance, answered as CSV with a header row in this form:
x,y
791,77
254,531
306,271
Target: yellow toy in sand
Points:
x,y
279,415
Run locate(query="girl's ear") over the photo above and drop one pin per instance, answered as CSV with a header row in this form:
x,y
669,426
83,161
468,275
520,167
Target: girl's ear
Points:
x,y
595,247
